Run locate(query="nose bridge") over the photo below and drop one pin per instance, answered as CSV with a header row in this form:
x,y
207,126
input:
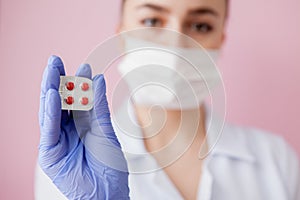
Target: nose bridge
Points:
x,y
177,39
174,37
175,24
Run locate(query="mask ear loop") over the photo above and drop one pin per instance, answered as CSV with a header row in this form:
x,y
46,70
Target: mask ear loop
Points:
x,y
214,128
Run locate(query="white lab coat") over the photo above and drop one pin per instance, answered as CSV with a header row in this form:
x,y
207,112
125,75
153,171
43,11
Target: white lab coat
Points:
x,y
246,164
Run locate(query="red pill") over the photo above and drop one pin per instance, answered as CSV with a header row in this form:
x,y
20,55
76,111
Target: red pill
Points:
x,y
84,101
85,86
70,85
69,100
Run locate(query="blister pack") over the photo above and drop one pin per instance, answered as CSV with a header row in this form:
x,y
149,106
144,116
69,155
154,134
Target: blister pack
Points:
x,y
76,93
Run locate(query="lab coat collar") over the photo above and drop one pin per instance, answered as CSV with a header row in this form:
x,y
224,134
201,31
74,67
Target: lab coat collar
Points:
x,y
232,147
225,139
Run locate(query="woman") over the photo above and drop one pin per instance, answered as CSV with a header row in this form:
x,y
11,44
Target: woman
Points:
x,y
245,164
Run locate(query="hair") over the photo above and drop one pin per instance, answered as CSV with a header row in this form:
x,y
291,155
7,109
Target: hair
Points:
x,y
226,12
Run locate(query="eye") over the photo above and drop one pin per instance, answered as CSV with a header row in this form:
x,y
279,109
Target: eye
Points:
x,y
151,22
202,27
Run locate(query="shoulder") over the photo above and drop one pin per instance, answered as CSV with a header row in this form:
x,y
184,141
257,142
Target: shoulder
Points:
x,y
270,152
263,144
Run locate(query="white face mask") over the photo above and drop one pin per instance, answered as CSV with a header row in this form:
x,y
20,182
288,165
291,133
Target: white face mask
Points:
x,y
171,77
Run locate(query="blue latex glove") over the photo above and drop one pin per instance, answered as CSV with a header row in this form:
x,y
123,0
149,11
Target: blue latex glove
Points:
x,y
73,166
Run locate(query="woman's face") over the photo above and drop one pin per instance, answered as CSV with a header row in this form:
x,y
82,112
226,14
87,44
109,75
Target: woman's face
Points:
x,y
203,20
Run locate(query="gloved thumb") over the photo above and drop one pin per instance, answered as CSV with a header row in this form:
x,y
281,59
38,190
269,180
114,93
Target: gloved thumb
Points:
x,y
101,143
101,109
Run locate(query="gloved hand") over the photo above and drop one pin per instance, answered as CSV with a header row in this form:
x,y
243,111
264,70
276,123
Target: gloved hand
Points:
x,y
77,162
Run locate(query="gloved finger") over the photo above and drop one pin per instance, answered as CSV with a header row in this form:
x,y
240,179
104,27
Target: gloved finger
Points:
x,y
50,131
102,111
52,148
51,79
84,70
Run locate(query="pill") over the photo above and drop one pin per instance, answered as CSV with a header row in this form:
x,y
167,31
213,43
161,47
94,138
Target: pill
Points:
x,y
85,86
84,100
69,100
70,85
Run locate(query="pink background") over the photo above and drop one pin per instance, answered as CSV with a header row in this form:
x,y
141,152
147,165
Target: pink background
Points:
x,y
260,66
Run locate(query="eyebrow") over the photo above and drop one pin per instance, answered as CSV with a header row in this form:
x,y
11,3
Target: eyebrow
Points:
x,y
203,11
192,12
154,7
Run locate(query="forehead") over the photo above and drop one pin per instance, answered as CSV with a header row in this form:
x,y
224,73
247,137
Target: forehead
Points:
x,y
181,6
